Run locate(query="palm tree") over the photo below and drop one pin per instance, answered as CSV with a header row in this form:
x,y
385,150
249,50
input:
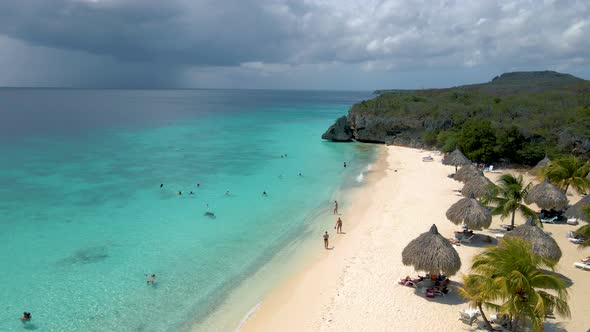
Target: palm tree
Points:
x,y
479,291
508,195
585,230
518,280
569,171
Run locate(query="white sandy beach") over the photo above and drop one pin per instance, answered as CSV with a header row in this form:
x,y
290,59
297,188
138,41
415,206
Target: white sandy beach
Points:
x,y
354,286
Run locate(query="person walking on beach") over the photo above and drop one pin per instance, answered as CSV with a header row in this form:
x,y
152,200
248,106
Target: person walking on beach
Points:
x,y
151,279
338,226
326,236
335,207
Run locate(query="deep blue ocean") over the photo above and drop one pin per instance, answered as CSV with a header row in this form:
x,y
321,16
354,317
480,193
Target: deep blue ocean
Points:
x,y
83,217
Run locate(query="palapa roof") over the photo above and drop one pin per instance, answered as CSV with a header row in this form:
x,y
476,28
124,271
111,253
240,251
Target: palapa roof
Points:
x,y
431,252
466,172
456,158
547,196
544,162
477,186
577,210
471,212
542,243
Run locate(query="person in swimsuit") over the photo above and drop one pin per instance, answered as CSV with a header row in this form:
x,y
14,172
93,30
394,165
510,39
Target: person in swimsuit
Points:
x,y
180,193
344,164
326,236
264,194
198,185
338,226
26,317
161,185
335,207
151,279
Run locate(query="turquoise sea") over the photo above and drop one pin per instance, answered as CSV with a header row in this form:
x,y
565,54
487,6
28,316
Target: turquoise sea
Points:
x,y
83,217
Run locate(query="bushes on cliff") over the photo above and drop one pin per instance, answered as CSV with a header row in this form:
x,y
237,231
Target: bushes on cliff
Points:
x,y
477,140
517,117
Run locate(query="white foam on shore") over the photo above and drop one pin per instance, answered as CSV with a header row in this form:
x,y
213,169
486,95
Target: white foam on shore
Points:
x,y
247,316
360,177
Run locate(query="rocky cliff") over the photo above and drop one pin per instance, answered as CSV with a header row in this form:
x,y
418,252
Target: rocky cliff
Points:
x,y
546,108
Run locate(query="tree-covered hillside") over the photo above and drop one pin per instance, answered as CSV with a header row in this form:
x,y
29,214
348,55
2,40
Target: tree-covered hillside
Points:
x,y
519,117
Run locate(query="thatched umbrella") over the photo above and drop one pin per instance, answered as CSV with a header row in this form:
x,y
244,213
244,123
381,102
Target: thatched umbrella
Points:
x,y
577,210
466,172
471,212
478,186
544,162
431,252
542,244
456,158
547,196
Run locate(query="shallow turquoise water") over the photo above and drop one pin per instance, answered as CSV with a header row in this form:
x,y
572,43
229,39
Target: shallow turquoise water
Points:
x,y
83,216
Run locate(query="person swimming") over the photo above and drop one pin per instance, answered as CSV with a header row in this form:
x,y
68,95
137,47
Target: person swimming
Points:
x,y
264,194
300,174
151,279
179,193
191,193
26,317
227,193
345,164
198,185
161,185
209,214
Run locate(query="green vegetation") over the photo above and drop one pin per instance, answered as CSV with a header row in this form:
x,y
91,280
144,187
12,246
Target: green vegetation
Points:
x,y
585,230
511,279
517,117
508,196
569,171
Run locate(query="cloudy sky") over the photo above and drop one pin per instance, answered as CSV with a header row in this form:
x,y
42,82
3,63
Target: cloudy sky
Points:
x,y
300,44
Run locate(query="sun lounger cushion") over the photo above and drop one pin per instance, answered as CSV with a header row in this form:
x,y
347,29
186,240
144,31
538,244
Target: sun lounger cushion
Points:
x,y
582,266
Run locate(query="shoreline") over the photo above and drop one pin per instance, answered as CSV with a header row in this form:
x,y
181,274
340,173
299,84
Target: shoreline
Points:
x,y
354,287
243,301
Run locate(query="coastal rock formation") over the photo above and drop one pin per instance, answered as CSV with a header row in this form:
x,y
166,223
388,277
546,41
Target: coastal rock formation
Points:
x,y
371,126
516,108
339,131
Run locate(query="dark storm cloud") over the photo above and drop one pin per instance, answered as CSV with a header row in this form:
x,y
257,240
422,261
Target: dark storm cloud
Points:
x,y
269,43
176,32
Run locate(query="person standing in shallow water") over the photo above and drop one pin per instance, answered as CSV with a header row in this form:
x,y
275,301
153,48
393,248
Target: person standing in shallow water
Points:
x,y
338,226
326,237
345,164
335,207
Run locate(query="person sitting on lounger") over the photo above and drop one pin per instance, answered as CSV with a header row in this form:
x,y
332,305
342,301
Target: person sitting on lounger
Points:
x,y
586,260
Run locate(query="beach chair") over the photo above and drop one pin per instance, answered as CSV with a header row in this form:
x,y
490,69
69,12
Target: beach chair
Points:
x,y
499,236
468,316
576,240
466,240
551,220
572,221
583,266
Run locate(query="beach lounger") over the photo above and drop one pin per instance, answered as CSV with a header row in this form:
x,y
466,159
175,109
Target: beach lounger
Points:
x,y
466,239
499,236
468,316
576,240
551,220
572,221
582,266
506,227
